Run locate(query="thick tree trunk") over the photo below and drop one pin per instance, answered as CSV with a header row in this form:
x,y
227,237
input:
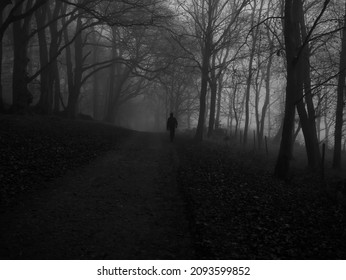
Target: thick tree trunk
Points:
x,y
72,106
213,92
291,34
189,110
54,76
202,98
307,117
318,128
1,95
247,98
340,102
45,101
257,89
69,66
309,133
22,98
325,121
3,27
267,88
57,90
235,110
206,59
96,77
110,115
277,137
218,106
269,121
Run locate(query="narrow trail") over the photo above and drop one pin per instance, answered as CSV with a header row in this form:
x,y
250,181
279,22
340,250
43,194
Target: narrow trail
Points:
x,y
124,205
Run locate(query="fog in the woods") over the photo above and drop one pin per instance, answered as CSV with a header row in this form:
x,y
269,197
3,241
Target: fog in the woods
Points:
x,y
172,129
253,69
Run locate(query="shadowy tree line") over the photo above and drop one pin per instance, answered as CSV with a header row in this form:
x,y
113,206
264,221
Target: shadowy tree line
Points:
x,y
270,66
66,43
246,50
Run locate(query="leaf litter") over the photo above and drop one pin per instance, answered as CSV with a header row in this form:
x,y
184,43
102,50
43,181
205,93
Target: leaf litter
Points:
x,y
240,211
34,150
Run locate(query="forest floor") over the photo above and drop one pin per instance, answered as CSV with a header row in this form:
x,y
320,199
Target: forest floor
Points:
x,y
122,204
86,190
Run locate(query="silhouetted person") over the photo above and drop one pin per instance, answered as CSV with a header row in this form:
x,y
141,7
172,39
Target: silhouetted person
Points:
x,y
172,124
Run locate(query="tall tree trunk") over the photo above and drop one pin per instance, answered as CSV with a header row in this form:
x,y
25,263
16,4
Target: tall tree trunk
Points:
x,y
247,97
213,92
318,128
4,24
340,102
218,106
57,89
206,56
254,36
72,106
269,120
109,116
257,90
69,65
267,86
22,98
188,109
235,110
45,101
203,94
325,121
96,94
3,27
1,95
291,34
267,97
307,117
54,76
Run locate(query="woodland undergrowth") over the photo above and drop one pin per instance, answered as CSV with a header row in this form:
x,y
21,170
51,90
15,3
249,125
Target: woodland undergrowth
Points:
x,y
240,211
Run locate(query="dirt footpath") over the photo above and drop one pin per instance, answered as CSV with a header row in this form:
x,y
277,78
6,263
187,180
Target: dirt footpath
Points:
x,y
124,205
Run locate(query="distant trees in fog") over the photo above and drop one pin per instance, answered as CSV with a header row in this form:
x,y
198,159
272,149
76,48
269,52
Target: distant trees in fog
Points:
x,y
61,45
275,67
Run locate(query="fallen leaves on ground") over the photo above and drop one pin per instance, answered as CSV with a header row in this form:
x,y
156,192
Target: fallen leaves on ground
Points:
x,y
240,211
34,150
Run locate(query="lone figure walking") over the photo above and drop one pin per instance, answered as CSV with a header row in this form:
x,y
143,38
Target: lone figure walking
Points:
x,y
172,124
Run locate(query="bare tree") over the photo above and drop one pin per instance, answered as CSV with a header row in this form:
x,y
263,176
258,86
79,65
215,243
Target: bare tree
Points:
x,y
254,36
340,101
211,25
298,87
291,34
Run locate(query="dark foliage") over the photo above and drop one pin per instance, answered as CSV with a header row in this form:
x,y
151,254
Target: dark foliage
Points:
x,y
239,211
34,150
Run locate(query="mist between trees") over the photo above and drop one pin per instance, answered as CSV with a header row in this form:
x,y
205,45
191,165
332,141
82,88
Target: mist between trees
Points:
x,y
276,67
